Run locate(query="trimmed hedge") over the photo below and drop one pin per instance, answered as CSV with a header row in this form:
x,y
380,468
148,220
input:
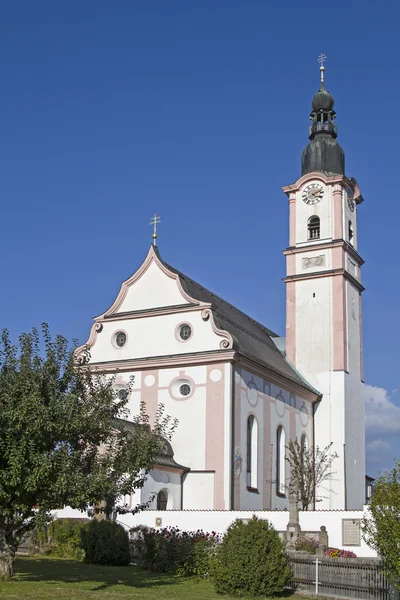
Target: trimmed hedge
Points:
x,y
251,560
105,543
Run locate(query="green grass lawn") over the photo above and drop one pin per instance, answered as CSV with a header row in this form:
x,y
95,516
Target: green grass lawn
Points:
x,y
42,578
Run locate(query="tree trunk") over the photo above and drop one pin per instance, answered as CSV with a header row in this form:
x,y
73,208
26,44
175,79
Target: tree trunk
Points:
x,y
6,565
7,556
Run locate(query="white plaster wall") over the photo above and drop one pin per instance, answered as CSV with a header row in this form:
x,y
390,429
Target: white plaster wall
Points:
x,y
352,216
352,267
198,491
161,480
252,404
313,327
353,330
219,521
312,254
281,405
152,290
189,438
323,210
278,407
330,426
154,336
355,441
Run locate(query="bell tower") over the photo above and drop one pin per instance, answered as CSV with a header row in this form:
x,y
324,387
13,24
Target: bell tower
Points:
x,y
323,300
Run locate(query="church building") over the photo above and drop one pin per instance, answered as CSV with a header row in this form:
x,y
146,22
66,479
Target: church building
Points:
x,y
240,391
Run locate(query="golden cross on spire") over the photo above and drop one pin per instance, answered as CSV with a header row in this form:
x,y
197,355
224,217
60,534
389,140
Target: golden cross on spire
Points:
x,y
321,60
154,221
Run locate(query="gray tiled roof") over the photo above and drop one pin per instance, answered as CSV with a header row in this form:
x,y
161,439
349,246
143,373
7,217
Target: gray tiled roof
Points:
x,y
251,339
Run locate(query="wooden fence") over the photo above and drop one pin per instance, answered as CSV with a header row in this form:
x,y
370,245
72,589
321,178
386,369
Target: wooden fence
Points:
x,y
342,577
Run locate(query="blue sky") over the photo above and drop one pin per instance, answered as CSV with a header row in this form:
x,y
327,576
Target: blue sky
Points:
x,y
110,111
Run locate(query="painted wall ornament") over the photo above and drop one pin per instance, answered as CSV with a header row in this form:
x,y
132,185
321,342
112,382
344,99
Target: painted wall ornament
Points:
x,y
237,462
314,261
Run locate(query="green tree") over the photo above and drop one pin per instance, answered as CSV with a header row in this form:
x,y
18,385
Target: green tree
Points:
x,y
310,469
381,527
61,440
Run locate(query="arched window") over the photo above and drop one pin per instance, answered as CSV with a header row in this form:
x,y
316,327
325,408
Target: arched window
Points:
x,y
252,458
351,232
280,461
162,500
304,442
313,228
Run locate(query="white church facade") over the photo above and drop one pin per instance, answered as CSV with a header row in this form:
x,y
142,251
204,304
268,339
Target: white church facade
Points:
x,y
239,391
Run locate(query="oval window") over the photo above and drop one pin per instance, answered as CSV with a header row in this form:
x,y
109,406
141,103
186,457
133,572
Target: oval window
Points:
x,y
120,339
185,389
185,332
122,394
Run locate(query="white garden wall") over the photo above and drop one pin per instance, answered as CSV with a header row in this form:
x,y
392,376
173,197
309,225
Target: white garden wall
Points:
x,y
219,521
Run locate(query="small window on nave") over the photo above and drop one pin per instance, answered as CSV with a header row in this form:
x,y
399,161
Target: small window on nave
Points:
x,y
252,457
313,228
280,461
162,500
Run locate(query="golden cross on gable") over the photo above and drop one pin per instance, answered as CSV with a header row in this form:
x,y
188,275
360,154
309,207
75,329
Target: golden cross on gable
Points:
x,y
155,221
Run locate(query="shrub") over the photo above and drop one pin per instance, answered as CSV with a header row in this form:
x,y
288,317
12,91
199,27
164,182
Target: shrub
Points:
x,y
105,543
61,538
337,553
306,544
170,550
251,560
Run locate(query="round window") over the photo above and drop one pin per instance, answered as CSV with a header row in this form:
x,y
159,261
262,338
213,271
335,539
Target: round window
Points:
x,y
185,332
120,339
122,394
185,389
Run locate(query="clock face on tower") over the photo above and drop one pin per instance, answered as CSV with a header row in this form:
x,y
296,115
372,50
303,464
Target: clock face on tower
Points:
x,y
313,193
350,200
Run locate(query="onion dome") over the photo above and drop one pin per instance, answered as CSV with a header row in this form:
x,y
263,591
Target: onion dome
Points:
x,y
322,100
323,153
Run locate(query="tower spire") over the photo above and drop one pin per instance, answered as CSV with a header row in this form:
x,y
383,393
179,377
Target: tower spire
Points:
x,y
321,60
323,153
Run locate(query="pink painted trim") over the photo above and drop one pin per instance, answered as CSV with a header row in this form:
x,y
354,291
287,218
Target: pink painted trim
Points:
x,y
177,328
290,264
237,433
164,362
267,458
151,257
226,343
326,246
295,187
166,310
339,325
187,380
114,335
291,321
328,273
338,257
94,331
215,433
337,196
149,395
